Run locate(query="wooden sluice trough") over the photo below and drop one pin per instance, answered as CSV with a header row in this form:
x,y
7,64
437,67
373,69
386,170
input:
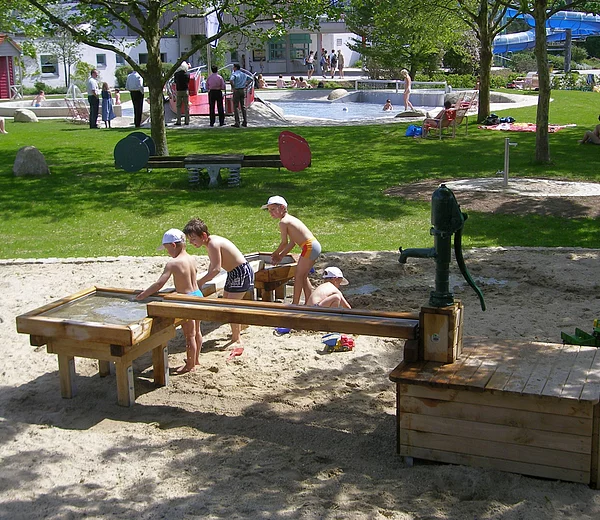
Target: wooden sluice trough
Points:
x,y
107,324
403,325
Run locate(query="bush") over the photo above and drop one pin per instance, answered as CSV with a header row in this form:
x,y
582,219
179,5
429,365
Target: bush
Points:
x,y
121,75
40,85
570,81
523,61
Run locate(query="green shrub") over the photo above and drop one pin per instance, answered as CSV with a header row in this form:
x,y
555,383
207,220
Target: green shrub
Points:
x,y
523,61
121,75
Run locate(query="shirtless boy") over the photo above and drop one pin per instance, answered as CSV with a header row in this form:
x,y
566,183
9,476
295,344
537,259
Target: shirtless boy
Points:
x,y
223,254
328,294
183,268
294,231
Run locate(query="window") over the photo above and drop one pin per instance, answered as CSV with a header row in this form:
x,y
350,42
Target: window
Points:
x,y
300,46
338,42
163,57
101,60
234,56
258,55
120,59
49,64
277,50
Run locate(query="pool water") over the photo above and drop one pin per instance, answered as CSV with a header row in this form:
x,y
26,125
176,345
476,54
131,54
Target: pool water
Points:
x,y
339,111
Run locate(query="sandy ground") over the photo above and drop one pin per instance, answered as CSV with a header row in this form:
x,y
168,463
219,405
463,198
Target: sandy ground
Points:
x,y
285,430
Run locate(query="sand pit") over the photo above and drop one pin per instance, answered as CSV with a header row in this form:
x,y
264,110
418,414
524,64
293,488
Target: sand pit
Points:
x,y
283,431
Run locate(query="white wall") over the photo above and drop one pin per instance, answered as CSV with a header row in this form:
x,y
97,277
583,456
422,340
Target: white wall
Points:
x,y
33,73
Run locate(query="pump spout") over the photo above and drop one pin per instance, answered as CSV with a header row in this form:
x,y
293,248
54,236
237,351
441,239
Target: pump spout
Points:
x,y
416,253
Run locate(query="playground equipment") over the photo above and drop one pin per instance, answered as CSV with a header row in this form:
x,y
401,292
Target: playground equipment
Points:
x,y
583,338
447,220
441,322
199,105
137,151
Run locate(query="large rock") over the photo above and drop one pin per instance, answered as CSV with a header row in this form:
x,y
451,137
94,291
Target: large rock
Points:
x,y
30,161
23,115
337,93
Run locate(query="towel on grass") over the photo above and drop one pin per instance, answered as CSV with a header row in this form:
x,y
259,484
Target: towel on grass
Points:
x,y
522,127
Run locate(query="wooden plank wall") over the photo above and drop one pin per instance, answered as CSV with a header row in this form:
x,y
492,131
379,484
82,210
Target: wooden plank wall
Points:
x,y
542,436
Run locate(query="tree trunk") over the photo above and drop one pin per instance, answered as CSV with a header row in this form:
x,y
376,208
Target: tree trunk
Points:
x,y
542,141
485,72
154,80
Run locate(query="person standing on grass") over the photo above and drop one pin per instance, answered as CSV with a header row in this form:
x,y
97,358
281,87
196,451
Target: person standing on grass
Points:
x,y
223,253
239,80
215,85
108,113
135,85
93,94
182,99
293,231
183,269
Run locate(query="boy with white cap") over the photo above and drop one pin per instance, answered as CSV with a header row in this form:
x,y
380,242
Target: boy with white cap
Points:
x,y
294,231
328,294
183,269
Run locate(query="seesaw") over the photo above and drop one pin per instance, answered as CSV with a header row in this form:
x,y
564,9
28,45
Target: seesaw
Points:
x,y
137,151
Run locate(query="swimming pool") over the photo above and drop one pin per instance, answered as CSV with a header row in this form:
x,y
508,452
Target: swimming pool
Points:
x,y
339,111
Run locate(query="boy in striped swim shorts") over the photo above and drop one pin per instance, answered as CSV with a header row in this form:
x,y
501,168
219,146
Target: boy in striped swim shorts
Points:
x,y
222,254
294,231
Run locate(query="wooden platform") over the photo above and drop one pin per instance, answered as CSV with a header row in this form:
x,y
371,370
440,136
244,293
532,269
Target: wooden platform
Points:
x,y
530,408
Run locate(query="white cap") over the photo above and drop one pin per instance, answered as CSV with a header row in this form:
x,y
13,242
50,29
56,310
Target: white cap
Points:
x,y
173,236
335,272
275,199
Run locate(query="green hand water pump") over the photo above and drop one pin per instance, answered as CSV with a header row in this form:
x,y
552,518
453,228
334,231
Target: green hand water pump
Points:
x,y
447,220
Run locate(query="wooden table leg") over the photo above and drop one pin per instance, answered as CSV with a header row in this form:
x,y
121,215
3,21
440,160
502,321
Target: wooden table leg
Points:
x,y
280,292
160,364
125,389
267,296
66,372
103,368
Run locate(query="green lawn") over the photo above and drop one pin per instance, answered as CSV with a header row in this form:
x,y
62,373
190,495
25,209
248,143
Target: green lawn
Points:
x,y
87,208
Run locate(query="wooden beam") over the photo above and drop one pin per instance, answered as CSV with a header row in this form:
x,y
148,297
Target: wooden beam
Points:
x,y
351,321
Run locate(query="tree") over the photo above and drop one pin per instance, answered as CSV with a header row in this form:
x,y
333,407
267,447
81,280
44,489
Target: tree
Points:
x,y
398,34
93,22
541,10
487,19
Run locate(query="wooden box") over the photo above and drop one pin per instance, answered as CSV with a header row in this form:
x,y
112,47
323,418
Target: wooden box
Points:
x,y
529,408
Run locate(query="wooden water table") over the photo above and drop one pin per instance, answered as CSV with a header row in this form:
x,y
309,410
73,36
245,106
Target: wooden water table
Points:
x,y
104,324
524,407
138,151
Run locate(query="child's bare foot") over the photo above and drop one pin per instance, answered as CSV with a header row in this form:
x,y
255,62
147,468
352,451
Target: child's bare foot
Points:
x,y
184,369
